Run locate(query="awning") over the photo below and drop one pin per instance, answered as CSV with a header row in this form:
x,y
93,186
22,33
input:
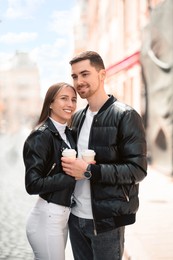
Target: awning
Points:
x,y
123,64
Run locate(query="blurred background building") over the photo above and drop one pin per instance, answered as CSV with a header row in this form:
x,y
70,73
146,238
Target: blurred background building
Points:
x,y
135,40
157,75
19,94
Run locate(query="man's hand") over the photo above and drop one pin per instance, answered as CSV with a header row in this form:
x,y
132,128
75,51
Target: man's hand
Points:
x,y
74,167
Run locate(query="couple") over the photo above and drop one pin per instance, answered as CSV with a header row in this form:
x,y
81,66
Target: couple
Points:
x,y
96,208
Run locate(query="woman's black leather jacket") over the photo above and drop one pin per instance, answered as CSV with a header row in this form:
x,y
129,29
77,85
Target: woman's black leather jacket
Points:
x,y
42,158
118,138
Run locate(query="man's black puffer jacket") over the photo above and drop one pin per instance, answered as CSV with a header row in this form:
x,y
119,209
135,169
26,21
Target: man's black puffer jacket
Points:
x,y
42,158
118,138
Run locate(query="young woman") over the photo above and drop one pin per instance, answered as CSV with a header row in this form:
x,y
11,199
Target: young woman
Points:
x,y
47,223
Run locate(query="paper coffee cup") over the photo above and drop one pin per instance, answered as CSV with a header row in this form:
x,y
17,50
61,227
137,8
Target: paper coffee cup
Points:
x,y
70,153
88,155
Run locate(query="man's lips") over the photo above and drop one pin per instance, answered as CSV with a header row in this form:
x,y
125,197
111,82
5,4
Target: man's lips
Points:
x,y
82,87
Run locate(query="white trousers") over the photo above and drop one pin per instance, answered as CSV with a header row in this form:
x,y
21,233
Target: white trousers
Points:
x,y
47,230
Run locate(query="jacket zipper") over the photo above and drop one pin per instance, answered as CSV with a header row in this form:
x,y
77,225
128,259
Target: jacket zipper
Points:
x,y
95,231
94,223
125,194
79,128
53,166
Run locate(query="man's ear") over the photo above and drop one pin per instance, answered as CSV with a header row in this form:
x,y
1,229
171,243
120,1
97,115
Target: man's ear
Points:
x,y
102,74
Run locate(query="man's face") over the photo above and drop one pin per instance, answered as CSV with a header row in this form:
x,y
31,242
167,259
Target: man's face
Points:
x,y
86,79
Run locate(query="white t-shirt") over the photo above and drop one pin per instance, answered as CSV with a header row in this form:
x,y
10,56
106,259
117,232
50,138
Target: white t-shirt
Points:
x,y
82,193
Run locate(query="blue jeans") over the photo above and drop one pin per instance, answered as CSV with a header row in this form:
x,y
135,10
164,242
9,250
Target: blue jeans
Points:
x,y
87,246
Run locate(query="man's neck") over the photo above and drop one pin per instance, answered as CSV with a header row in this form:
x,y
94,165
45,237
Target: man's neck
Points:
x,y
96,102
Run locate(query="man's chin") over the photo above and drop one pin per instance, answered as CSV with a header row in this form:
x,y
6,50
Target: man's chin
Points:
x,y
83,95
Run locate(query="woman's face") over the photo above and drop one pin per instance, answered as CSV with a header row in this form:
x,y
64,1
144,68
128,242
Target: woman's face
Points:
x,y
63,105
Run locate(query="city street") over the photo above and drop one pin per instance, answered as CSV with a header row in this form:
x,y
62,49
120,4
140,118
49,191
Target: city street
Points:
x,y
134,65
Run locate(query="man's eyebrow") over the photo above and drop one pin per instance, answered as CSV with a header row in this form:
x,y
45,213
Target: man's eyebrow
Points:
x,y
83,71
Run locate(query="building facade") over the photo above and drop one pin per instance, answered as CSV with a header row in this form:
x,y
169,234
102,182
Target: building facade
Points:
x,y
19,94
113,28
116,30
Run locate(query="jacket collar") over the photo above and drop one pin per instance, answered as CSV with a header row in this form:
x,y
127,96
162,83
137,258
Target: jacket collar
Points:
x,y
68,133
51,126
109,102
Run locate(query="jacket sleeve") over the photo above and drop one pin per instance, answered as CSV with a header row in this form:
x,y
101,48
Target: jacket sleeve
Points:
x,y
41,172
131,167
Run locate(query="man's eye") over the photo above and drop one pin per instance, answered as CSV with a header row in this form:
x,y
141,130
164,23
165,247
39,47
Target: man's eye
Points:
x,y
85,74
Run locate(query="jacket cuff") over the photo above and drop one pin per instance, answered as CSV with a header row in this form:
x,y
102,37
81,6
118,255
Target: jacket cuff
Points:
x,y
96,172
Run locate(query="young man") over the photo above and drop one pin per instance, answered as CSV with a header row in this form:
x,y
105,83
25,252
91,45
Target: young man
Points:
x,y
106,193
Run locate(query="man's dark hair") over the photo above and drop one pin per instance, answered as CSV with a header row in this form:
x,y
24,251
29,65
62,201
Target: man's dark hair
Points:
x,y
94,58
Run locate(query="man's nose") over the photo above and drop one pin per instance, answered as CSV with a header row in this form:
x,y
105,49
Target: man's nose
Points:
x,y
79,80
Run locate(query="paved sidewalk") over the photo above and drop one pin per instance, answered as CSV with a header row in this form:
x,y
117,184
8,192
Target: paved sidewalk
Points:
x,y
151,237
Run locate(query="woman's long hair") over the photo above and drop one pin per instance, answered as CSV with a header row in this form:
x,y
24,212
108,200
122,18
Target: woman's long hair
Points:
x,y
49,98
